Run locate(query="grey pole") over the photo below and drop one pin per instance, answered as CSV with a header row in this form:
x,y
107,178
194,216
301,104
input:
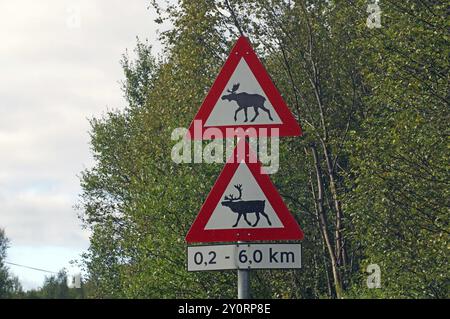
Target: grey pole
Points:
x,y
243,282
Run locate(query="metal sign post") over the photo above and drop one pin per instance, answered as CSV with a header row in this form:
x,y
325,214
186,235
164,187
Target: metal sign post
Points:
x,y
243,283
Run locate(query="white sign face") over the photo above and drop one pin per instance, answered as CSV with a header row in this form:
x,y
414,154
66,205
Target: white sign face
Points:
x,y
217,257
249,95
268,256
243,185
244,256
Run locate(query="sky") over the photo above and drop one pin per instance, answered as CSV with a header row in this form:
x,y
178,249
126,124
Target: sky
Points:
x,y
59,66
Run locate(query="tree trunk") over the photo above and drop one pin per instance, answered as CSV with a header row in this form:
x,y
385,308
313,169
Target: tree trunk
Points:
x,y
320,210
340,249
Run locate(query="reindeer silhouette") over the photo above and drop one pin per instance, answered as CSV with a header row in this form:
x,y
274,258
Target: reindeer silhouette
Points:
x,y
245,100
242,208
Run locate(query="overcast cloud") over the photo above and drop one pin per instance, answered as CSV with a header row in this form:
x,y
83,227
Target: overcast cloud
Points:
x,y
59,66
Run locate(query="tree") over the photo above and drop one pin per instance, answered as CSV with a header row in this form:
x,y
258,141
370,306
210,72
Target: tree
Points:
x,y
4,276
55,287
9,285
398,196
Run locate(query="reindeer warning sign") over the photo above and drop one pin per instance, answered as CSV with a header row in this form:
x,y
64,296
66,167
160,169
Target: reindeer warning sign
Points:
x,y
243,205
243,95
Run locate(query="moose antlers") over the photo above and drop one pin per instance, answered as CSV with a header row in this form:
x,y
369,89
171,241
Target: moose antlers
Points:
x,y
235,88
231,197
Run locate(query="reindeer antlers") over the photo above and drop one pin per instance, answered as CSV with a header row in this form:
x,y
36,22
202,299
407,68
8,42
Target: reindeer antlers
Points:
x,y
231,197
239,188
235,88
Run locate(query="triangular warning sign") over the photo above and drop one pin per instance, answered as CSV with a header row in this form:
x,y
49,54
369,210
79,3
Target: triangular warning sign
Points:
x,y
243,205
243,95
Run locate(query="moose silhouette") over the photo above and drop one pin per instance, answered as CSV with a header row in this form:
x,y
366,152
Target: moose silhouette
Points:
x,y
245,100
242,208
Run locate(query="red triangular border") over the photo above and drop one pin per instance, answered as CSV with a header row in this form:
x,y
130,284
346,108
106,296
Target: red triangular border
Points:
x,y
198,233
243,49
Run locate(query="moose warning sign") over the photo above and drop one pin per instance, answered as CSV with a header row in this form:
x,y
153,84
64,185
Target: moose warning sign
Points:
x,y
243,205
243,101
243,95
